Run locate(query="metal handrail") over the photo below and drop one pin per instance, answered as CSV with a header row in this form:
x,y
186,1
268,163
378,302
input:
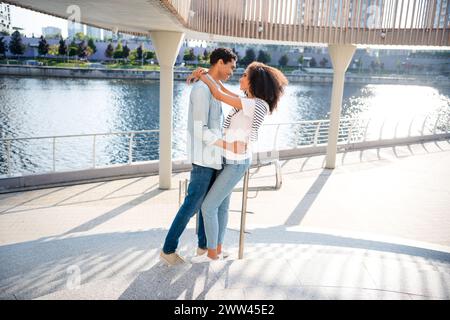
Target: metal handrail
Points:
x,y
81,135
311,133
94,136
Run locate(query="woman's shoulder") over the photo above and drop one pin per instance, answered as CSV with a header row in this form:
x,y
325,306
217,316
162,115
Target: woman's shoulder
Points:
x,y
261,104
256,101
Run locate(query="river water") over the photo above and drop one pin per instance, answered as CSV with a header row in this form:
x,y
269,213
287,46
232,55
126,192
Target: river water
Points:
x,y
32,107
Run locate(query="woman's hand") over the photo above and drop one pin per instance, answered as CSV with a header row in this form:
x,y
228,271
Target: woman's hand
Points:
x,y
196,74
238,147
232,100
211,85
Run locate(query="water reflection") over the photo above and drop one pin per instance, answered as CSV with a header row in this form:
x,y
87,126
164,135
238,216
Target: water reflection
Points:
x,y
32,107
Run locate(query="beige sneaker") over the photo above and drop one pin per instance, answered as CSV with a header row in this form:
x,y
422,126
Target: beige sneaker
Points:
x,y
201,251
171,259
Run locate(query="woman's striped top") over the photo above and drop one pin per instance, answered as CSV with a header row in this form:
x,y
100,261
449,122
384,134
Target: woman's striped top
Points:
x,y
261,110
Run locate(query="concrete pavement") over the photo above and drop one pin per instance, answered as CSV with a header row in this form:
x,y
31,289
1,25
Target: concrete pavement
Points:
x,y
376,227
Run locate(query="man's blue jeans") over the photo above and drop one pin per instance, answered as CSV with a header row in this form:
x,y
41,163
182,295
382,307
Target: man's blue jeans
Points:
x,y
202,178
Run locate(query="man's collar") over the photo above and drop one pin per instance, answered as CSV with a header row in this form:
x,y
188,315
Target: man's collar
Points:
x,y
213,80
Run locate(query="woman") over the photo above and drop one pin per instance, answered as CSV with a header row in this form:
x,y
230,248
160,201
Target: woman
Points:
x,y
263,86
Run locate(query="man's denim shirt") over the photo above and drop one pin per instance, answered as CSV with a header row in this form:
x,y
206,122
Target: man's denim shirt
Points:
x,y
205,120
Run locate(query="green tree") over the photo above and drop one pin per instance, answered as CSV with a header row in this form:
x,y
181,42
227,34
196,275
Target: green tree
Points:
x,y
92,45
206,55
43,46
73,49
79,36
62,49
109,52
53,50
249,57
263,56
140,52
283,60
150,55
189,55
118,52
125,52
2,47
83,50
16,46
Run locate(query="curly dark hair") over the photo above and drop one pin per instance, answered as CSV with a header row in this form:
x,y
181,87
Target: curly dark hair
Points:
x,y
266,83
222,53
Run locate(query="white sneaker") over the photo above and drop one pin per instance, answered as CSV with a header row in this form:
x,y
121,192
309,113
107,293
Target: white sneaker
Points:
x,y
202,259
222,255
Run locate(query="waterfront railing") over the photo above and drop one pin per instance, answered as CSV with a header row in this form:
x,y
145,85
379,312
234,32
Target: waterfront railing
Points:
x,y
21,156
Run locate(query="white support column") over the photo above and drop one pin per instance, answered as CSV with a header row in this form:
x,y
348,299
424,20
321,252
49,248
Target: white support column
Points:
x,y
167,45
341,55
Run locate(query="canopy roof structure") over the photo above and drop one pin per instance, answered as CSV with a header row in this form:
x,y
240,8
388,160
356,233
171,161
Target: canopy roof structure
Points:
x,y
131,16
359,22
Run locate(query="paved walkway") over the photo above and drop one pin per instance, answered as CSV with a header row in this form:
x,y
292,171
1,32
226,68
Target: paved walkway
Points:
x,y
377,227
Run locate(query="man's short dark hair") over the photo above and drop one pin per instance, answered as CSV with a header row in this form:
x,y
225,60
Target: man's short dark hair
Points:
x,y
222,53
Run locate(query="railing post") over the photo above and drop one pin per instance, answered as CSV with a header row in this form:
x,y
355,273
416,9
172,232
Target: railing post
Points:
x,y
182,192
130,149
54,153
365,131
243,214
8,156
276,137
423,125
316,134
410,126
350,131
93,151
447,126
436,123
381,129
396,127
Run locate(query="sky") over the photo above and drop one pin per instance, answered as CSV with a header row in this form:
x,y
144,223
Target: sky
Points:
x,y
33,22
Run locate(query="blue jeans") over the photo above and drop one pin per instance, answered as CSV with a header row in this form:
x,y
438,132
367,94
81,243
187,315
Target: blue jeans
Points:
x,y
201,181
216,203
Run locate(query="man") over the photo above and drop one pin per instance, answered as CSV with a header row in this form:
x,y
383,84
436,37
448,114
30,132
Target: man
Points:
x,y
204,138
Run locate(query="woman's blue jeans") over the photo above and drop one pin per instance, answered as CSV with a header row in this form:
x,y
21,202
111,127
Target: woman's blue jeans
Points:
x,y
215,205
